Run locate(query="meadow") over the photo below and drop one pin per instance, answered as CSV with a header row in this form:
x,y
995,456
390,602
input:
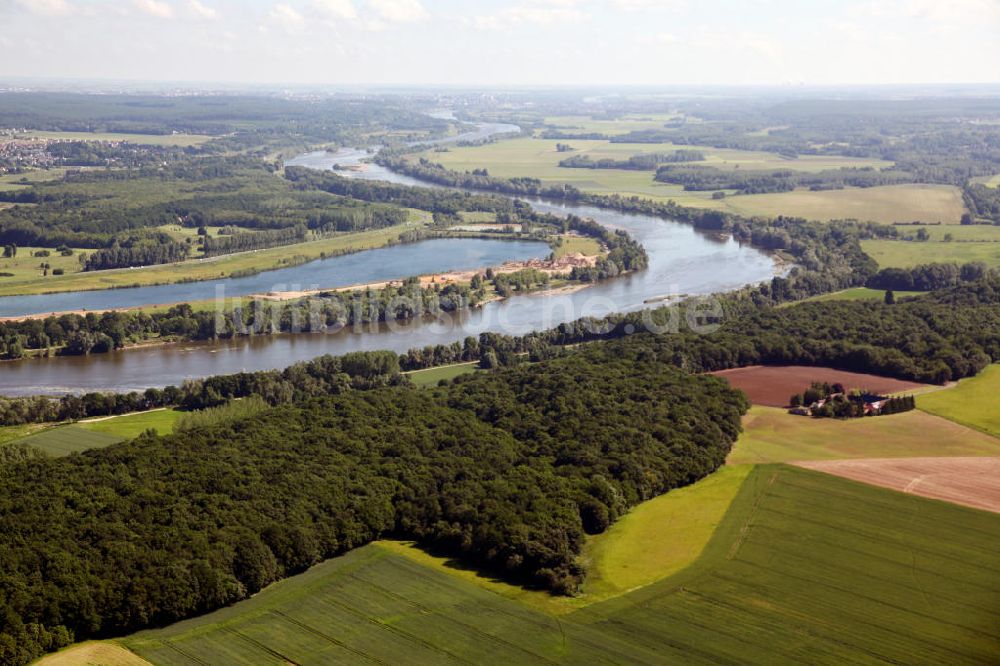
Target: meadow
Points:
x,y
989,181
857,294
803,566
887,204
577,245
968,243
431,376
66,439
771,435
179,140
972,403
26,267
539,158
133,425
612,127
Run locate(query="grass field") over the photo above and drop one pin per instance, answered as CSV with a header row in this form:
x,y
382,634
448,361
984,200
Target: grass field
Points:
x,y
804,567
578,245
970,243
372,605
32,176
202,269
181,140
15,432
621,125
890,203
26,267
660,537
770,434
859,294
810,568
64,440
973,402
990,181
431,376
539,158
133,425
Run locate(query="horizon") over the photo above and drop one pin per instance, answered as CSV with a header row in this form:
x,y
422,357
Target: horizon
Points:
x,y
518,43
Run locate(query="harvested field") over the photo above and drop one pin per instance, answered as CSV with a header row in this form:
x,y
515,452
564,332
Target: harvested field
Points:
x,y
773,435
773,385
971,482
93,653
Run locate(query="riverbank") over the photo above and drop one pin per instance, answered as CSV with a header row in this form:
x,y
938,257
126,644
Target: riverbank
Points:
x,y
213,268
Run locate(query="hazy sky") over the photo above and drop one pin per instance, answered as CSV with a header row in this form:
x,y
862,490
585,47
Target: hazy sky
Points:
x,y
495,42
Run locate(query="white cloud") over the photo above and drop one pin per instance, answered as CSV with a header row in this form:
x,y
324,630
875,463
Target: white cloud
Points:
x,y
936,11
536,12
286,16
48,7
202,11
398,11
155,8
649,5
336,9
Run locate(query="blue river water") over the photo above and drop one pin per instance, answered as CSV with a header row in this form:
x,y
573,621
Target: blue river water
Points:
x,y
682,261
388,263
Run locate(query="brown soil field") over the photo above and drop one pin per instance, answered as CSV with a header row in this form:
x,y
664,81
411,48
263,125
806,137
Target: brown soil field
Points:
x,y
773,385
971,482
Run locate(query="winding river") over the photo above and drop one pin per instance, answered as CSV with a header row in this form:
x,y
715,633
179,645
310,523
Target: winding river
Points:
x,y
681,261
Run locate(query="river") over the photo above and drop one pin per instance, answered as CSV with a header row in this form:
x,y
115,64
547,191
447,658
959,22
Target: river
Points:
x,y
681,261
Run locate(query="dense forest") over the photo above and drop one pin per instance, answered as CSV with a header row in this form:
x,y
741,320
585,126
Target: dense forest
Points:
x,y
927,277
506,470
124,207
242,121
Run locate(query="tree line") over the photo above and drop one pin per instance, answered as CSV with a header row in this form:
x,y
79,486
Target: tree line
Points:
x,y
643,162
927,277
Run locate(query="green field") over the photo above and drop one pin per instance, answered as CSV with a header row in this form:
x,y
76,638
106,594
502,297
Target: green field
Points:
x,y
15,432
811,568
64,440
181,140
990,181
133,425
770,435
620,125
660,537
888,204
431,376
860,294
25,267
969,243
804,567
973,402
538,158
578,245
16,180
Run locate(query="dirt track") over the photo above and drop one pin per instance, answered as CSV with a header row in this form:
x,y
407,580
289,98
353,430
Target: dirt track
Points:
x,y
772,386
971,482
